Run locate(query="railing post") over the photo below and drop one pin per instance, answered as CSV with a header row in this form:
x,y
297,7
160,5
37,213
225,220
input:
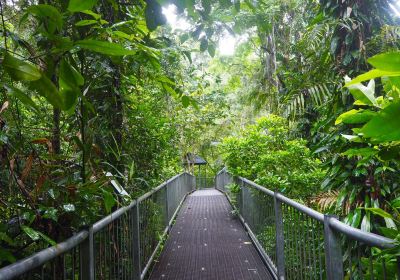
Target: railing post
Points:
x,y
167,202
136,242
280,240
87,257
333,251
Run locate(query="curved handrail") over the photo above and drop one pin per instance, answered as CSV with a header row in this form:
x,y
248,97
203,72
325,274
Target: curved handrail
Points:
x,y
368,238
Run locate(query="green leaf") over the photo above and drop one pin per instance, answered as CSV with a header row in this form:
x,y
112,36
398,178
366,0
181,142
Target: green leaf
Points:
x,y
109,200
380,212
185,101
365,94
20,70
203,44
69,81
51,213
33,234
91,13
48,14
6,255
389,61
86,22
81,5
364,152
6,238
385,126
36,235
366,223
355,117
395,203
165,79
373,74
25,99
389,232
355,222
104,47
211,50
48,90
169,89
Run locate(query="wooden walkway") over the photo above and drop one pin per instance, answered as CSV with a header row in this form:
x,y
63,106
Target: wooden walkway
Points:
x,y
206,242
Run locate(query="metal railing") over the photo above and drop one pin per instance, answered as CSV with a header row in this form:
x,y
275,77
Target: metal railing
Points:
x,y
122,245
297,242
205,182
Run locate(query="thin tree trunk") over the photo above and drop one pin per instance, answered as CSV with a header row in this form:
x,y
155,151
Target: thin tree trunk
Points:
x,y
270,69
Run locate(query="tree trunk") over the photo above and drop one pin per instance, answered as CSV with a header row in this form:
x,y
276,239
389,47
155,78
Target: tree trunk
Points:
x,y
270,70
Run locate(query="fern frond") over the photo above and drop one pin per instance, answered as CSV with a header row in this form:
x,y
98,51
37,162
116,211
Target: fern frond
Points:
x,y
316,95
325,201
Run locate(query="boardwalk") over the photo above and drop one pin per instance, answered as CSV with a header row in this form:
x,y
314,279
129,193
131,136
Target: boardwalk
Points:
x,y
207,243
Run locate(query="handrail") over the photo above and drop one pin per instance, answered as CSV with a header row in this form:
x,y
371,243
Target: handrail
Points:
x,y
22,266
302,242
368,238
40,258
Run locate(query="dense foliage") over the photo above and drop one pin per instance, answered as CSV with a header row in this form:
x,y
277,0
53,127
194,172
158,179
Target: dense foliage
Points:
x,y
265,153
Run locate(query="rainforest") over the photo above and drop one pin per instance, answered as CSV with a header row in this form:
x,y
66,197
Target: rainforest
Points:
x,y
101,101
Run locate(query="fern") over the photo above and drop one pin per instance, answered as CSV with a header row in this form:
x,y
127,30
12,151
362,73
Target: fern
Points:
x,y
317,95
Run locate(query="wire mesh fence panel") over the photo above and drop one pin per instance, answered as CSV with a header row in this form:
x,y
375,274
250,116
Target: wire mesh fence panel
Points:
x,y
257,209
205,182
113,250
63,267
151,227
304,245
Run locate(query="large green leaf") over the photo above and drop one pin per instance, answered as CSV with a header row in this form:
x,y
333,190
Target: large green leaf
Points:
x,y
379,212
109,200
211,50
25,99
389,61
20,70
385,126
48,90
81,5
364,152
104,47
366,223
373,74
36,235
48,14
86,22
355,117
69,81
363,94
203,44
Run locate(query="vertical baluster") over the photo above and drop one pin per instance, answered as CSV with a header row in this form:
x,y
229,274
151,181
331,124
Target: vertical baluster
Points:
x,y
333,254
136,241
280,246
87,257
314,265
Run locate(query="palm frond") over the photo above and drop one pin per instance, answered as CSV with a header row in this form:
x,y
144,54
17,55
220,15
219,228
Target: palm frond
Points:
x,y
316,96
